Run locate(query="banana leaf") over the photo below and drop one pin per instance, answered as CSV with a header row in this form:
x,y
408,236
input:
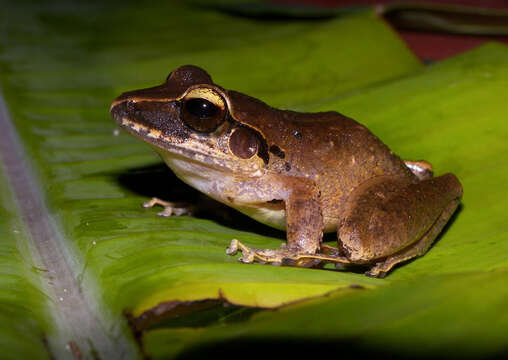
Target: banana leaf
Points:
x,y
24,310
159,286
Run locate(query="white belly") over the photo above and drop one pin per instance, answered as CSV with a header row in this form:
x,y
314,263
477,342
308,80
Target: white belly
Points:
x,y
215,184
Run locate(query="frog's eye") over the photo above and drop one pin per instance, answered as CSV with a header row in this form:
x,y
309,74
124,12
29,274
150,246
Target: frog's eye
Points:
x,y
203,110
244,143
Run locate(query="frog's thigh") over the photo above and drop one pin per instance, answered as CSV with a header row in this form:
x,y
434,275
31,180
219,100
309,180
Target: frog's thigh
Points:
x,y
390,219
418,248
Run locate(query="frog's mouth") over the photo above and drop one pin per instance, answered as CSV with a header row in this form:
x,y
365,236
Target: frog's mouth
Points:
x,y
184,148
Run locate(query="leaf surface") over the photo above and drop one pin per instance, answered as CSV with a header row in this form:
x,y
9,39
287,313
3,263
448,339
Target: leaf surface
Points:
x,y
24,318
61,68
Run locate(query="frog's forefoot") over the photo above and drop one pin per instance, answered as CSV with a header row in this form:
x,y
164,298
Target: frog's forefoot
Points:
x,y
282,256
170,208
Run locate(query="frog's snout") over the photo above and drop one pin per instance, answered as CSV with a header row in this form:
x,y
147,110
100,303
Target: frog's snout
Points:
x,y
118,109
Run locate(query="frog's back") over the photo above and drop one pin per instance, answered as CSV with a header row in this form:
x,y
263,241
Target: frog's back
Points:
x,y
334,150
339,154
318,145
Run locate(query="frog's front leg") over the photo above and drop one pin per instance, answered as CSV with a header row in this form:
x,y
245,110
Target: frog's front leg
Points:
x,y
170,208
304,227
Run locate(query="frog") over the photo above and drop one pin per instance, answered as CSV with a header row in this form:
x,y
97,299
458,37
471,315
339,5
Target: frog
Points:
x,y
301,172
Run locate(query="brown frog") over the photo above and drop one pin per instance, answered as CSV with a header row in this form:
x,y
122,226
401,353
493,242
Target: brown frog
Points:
x,y
307,173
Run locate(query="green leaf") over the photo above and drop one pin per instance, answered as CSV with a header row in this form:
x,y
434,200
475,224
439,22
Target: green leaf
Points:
x,y
23,305
461,316
61,68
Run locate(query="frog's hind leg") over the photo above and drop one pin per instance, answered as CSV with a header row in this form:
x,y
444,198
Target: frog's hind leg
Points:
x,y
417,249
391,219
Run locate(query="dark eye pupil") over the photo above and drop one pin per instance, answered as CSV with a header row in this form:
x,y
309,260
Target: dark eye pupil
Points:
x,y
202,115
201,108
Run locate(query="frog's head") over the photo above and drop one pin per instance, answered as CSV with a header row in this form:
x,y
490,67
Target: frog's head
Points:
x,y
191,118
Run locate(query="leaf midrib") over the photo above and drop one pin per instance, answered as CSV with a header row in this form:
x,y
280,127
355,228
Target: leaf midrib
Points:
x,y
74,308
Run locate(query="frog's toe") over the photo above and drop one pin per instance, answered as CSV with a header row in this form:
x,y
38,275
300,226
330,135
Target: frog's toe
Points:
x,y
300,260
248,254
277,257
179,211
379,275
269,256
247,258
233,247
170,208
377,271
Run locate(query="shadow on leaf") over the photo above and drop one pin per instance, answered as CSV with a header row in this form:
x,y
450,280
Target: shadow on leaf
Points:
x,y
158,181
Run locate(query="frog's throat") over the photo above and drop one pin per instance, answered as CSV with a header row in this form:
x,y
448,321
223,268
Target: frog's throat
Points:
x,y
169,147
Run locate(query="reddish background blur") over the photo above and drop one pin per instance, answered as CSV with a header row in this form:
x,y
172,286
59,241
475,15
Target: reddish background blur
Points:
x,y
426,45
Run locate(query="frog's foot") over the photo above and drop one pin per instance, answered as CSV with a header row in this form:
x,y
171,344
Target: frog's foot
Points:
x,y
377,271
170,208
283,256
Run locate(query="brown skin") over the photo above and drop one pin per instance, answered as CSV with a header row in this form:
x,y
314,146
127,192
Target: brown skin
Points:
x,y
303,172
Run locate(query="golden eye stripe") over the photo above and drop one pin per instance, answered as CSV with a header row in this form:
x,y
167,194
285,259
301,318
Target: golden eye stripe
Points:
x,y
207,94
